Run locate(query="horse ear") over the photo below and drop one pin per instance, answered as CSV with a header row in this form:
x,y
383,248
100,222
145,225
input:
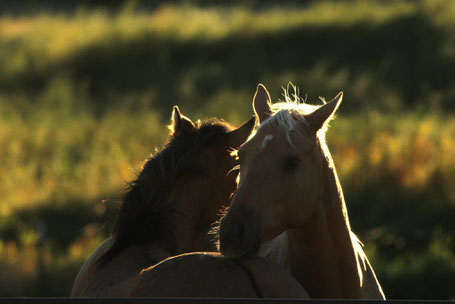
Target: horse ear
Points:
x,y
319,118
180,123
238,136
261,103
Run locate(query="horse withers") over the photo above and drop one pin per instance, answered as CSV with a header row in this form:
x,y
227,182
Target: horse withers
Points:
x,y
170,207
289,205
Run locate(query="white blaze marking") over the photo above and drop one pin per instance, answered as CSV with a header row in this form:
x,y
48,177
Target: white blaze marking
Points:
x,y
267,138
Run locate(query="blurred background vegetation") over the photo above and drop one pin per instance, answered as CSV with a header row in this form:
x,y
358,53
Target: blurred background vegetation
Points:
x,y
87,89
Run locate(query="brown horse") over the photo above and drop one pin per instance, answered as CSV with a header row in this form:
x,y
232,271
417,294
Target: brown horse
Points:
x,y
211,275
169,208
289,198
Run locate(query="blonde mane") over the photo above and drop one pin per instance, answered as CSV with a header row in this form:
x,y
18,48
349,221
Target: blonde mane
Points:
x,y
290,114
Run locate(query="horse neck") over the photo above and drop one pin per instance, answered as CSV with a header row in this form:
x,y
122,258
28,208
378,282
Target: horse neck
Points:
x,y
188,234
322,255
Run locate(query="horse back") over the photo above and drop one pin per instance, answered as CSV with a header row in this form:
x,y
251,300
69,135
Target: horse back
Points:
x,y
88,269
116,277
211,275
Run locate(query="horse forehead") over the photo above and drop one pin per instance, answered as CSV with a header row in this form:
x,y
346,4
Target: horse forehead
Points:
x,y
273,139
267,137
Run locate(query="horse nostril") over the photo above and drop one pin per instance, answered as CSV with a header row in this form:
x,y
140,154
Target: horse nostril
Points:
x,y
233,234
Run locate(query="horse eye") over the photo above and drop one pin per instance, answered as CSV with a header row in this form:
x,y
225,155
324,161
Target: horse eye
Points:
x,y
291,163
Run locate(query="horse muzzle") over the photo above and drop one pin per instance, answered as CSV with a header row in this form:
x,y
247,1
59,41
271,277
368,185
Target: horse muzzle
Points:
x,y
239,237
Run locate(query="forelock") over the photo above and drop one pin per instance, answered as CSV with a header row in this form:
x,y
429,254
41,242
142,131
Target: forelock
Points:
x,y
289,114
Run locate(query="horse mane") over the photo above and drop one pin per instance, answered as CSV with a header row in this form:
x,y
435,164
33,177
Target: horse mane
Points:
x,y
362,260
290,114
145,216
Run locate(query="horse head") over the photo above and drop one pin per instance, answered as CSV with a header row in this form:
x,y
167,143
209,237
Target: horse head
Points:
x,y
279,184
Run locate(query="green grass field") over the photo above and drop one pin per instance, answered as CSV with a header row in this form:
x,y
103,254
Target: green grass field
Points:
x,y
85,97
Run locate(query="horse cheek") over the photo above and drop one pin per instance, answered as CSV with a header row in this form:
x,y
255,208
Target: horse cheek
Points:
x,y
300,211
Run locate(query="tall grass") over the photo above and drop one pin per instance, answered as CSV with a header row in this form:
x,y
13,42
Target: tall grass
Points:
x,y
86,96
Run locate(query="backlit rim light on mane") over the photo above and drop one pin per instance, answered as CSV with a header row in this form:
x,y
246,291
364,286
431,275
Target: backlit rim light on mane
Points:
x,y
292,104
282,115
288,113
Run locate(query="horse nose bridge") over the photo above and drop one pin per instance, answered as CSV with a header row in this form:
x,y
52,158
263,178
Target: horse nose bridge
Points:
x,y
243,196
252,179
237,200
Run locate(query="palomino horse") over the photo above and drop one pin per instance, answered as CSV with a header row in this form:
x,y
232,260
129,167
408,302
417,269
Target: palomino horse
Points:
x,y
170,207
289,198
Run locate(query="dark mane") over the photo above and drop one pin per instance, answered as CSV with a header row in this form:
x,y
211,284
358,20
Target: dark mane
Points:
x,y
144,217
